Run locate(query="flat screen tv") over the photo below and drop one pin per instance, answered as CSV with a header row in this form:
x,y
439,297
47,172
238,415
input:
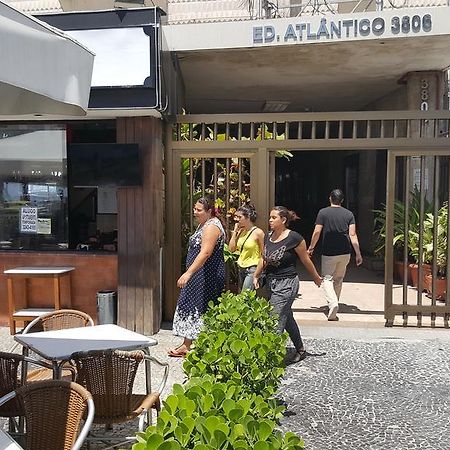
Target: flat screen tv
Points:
x,y
91,165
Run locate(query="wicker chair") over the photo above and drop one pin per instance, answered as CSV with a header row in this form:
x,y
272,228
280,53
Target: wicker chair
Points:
x,y
53,414
10,364
109,376
59,320
56,320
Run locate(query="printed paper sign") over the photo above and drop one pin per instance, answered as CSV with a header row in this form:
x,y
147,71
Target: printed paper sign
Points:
x,y
28,220
44,226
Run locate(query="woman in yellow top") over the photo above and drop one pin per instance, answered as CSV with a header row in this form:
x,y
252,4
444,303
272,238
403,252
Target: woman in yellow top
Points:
x,y
248,240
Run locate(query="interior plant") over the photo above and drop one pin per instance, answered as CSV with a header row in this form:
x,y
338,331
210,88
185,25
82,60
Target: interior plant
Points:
x,y
399,240
441,250
399,222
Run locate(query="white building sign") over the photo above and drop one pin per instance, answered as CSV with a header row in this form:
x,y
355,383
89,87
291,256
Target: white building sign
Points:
x,y
326,29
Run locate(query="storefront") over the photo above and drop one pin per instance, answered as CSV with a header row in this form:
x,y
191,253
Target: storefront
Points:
x,y
71,191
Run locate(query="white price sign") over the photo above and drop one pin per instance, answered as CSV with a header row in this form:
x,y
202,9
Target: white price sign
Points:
x,y
28,220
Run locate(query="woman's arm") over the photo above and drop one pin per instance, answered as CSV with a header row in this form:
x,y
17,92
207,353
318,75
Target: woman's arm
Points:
x,y
305,259
258,272
260,240
232,245
209,239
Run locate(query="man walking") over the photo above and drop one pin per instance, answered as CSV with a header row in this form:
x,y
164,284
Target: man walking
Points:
x,y
339,235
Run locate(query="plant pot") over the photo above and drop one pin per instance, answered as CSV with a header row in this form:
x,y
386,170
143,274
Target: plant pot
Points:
x,y
441,286
399,272
414,271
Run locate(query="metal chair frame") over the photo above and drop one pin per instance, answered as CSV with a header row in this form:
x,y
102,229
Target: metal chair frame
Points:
x,y
106,363
57,387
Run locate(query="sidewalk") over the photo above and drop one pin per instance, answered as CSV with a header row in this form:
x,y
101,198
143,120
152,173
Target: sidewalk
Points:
x,y
360,388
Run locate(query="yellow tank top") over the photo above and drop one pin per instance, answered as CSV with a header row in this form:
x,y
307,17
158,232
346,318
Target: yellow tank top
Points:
x,y
249,252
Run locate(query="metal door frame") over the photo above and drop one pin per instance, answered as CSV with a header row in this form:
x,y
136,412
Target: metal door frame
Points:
x,y
394,131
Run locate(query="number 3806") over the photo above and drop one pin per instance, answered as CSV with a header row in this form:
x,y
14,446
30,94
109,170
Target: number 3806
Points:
x,y
415,24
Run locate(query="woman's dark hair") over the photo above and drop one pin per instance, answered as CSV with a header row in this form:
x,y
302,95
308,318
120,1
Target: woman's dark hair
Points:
x,y
336,196
286,214
208,205
249,212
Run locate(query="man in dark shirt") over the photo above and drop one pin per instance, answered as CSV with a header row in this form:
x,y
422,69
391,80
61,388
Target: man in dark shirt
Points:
x,y
339,235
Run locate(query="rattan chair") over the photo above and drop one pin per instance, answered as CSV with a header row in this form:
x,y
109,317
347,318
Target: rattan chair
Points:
x,y
10,380
109,376
56,320
54,411
59,320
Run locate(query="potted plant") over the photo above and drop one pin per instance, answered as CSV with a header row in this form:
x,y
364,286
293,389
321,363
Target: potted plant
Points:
x,y
399,232
441,254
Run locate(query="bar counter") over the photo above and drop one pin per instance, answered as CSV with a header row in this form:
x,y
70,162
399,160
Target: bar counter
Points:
x,y
94,271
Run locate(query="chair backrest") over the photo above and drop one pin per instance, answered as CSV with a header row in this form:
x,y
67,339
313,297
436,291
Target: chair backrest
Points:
x,y
9,381
54,411
109,377
59,320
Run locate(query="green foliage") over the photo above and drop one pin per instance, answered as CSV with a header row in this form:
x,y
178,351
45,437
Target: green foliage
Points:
x,y
428,239
399,223
210,415
240,344
234,370
231,262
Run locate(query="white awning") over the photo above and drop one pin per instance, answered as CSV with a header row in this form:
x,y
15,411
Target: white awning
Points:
x,y
42,70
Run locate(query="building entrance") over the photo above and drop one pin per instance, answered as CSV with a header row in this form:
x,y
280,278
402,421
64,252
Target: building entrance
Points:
x,y
345,148
304,182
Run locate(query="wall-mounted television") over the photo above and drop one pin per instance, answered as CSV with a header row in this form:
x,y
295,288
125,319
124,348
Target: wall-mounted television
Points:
x,y
92,165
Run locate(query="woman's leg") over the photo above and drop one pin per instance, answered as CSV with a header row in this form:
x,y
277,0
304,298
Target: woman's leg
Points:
x,y
182,349
282,294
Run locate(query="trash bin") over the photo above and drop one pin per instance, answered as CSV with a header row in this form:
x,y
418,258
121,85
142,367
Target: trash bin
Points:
x,y
106,307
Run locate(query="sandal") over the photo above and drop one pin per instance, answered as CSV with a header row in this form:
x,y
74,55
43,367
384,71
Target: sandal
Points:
x,y
176,353
300,355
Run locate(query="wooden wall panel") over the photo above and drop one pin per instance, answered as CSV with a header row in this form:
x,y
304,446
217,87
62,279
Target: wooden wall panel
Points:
x,y
141,213
93,272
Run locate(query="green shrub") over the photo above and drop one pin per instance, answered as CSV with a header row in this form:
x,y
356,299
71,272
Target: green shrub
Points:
x,y
234,369
206,415
239,344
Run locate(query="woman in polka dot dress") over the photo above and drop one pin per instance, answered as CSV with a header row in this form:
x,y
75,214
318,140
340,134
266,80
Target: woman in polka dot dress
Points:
x,y
204,279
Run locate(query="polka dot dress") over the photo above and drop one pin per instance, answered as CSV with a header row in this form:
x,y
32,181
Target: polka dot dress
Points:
x,y
205,285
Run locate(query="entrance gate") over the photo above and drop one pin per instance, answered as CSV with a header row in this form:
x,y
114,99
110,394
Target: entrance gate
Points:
x,y
417,226
202,149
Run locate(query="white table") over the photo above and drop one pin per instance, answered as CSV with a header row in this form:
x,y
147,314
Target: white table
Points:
x,y
19,309
7,442
59,345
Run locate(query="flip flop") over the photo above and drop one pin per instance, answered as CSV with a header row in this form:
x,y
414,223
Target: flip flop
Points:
x,y
177,354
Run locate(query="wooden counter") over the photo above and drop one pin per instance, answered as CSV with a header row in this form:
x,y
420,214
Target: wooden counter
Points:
x,y
93,272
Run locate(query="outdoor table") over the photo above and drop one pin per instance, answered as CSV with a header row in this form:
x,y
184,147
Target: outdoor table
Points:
x,y
19,309
7,442
58,346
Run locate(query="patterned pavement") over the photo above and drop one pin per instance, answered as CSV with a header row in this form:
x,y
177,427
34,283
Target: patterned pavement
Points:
x,y
359,388
379,394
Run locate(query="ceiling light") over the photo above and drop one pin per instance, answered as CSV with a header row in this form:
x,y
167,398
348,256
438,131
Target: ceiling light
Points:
x,y
275,106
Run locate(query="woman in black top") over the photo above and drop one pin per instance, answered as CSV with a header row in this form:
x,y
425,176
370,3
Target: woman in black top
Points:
x,y
282,247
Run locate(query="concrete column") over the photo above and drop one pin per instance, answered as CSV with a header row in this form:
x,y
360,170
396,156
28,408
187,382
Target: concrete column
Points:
x,y
425,92
366,197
